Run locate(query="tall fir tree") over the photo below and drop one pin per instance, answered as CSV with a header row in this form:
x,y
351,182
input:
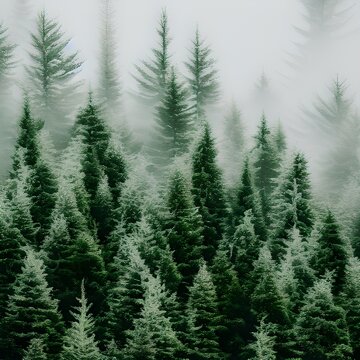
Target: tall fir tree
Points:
x,y
51,76
203,318
184,230
208,191
292,205
79,342
32,312
173,122
332,254
161,341
202,78
320,329
266,165
152,75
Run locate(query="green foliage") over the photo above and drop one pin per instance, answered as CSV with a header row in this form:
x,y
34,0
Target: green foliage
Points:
x,y
32,312
152,75
203,318
320,329
35,351
264,343
208,191
79,342
51,77
202,78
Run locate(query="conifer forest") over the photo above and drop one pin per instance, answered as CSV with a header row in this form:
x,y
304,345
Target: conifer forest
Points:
x,y
179,180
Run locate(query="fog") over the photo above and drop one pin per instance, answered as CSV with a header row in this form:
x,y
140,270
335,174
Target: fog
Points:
x,y
247,37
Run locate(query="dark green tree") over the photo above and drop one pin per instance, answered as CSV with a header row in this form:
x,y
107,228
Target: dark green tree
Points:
x,y
173,122
320,330
52,77
184,229
208,192
266,165
202,78
203,318
32,312
332,254
152,75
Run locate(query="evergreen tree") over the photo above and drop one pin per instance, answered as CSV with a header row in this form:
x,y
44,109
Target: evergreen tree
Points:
x,y
161,342
279,139
230,305
184,229
173,122
247,199
267,300
51,77
234,144
332,252
292,205
7,53
35,351
32,312
152,75
350,300
320,329
265,165
79,342
264,343
202,76
208,192
202,317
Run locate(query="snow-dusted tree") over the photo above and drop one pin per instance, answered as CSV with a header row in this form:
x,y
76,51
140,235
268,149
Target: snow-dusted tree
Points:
x,y
152,75
266,165
51,77
184,229
320,330
160,340
267,299
203,318
350,301
263,346
233,144
79,341
208,191
32,312
35,350
173,122
292,205
202,78
332,254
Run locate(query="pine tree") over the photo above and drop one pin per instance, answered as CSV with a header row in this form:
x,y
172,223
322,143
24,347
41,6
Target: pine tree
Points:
x,y
247,199
292,205
173,122
279,139
202,78
202,317
161,342
11,255
208,192
267,300
234,144
32,312
184,229
350,301
51,77
152,75
332,254
79,342
265,165
35,351
320,329
264,343
230,305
